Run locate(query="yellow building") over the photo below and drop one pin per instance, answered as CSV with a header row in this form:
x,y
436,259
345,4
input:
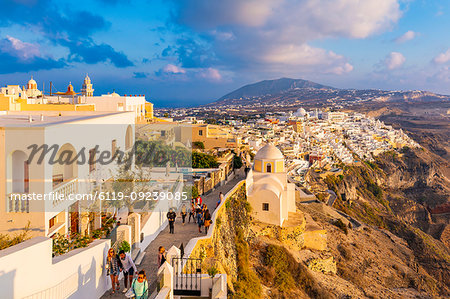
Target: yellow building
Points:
x,y
214,136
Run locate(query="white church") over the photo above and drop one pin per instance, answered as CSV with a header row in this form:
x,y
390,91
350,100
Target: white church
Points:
x,y
271,196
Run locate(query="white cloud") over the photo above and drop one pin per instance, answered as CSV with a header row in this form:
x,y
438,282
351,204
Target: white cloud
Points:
x,y
211,74
306,57
173,69
271,35
394,60
442,57
408,35
19,48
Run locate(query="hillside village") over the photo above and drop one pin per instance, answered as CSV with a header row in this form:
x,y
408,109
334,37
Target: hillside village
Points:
x,y
300,202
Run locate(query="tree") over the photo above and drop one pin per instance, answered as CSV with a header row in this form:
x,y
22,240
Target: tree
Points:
x,y
201,160
237,161
198,145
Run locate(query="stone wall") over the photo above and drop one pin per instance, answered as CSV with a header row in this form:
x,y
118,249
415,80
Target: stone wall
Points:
x,y
219,246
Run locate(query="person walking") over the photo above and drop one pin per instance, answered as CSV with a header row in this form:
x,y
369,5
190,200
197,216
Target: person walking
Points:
x,y
199,200
199,220
192,213
207,217
161,256
220,199
128,268
183,213
171,215
112,269
140,286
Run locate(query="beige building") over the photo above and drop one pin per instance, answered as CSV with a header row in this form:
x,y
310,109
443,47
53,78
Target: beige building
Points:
x,y
271,196
214,136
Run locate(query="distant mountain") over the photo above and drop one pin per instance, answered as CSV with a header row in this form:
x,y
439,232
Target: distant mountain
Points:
x,y
272,87
286,92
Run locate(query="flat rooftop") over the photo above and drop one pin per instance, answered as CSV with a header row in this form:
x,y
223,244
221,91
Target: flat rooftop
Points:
x,y
9,119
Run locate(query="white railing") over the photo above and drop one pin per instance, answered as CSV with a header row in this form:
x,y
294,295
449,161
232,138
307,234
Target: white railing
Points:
x,y
64,190
17,204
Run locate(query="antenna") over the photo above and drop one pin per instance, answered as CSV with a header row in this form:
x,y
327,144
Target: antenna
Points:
x,y
51,85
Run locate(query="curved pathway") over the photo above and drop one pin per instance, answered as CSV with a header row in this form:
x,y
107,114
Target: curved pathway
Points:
x,y
182,235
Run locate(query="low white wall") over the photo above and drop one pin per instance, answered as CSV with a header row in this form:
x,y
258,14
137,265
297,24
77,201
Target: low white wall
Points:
x,y
28,270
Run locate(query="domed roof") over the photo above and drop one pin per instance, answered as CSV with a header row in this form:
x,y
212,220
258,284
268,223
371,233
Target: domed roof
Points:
x,y
115,94
87,80
269,152
32,81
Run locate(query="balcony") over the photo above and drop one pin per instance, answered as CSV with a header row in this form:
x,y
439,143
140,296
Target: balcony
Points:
x,y
65,188
16,204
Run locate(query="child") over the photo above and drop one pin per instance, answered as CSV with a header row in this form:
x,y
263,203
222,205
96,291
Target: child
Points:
x,y
140,286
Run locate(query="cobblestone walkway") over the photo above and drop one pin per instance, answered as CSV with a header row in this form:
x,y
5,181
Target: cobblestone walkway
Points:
x,y
182,235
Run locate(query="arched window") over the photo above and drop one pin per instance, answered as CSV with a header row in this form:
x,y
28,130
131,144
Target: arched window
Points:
x,y
269,168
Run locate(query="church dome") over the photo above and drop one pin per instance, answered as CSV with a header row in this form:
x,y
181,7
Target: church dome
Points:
x,y
32,81
269,152
32,84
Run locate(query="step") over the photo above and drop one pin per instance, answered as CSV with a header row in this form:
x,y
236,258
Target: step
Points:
x,y
134,253
140,257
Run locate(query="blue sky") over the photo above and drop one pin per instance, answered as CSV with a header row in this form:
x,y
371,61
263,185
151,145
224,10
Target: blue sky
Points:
x,y
189,52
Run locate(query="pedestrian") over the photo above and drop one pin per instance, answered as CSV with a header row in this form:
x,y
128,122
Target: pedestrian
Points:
x,y
192,213
112,269
220,199
171,215
199,220
161,256
208,221
140,286
183,213
199,200
128,268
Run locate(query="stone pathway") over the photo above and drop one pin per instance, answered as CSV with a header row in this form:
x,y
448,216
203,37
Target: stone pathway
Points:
x,y
182,235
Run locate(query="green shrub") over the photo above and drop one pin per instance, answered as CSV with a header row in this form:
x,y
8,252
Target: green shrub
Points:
x,y
8,241
125,246
290,275
248,284
198,145
340,224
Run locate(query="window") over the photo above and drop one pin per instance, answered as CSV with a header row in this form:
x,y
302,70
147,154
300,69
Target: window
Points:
x,y
265,206
91,160
200,132
269,167
52,222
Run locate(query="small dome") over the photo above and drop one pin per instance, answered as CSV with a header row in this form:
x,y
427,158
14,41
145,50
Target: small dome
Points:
x,y
87,80
269,152
115,94
300,112
32,83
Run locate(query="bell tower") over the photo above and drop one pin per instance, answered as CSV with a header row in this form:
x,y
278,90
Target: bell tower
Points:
x,y
86,88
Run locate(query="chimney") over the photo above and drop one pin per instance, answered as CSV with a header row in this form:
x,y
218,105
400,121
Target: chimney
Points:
x,y
30,119
42,117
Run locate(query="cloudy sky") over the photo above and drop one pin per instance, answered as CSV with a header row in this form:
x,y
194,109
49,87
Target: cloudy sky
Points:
x,y
188,52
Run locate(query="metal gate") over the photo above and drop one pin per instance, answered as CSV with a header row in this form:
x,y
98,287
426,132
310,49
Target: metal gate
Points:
x,y
187,278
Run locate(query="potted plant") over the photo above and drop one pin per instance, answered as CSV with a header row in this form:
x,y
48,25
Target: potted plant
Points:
x,y
212,271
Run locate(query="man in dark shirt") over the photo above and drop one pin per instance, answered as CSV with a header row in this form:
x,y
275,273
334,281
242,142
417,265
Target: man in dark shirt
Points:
x,y
171,215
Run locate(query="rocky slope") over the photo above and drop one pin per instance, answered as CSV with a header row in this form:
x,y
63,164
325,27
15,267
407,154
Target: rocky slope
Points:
x,y
397,193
